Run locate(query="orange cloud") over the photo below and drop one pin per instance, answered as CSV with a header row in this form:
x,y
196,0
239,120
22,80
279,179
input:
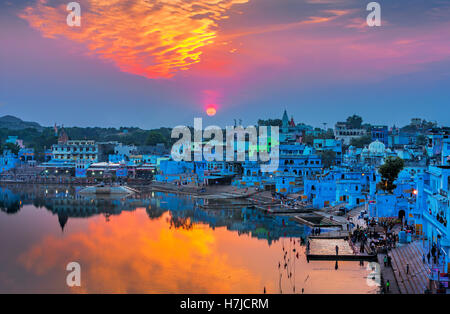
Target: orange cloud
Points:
x,y
152,39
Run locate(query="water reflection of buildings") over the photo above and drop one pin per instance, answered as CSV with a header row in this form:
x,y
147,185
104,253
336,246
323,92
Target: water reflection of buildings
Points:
x,y
251,222
66,203
69,207
10,203
244,221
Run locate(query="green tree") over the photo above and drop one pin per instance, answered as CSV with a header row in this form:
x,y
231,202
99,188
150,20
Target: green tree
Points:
x,y
421,140
361,141
155,137
12,147
270,122
308,139
367,127
329,134
354,121
328,158
389,172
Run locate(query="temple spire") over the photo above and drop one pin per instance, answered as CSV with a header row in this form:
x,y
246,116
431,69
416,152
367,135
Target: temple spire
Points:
x,y
285,119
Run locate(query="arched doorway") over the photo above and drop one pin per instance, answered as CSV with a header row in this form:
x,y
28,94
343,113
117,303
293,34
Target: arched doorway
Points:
x,y
401,214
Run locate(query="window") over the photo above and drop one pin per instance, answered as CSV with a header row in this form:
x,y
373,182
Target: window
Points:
x,y
448,183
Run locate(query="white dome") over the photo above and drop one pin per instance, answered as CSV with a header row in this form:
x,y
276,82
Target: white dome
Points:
x,y
377,147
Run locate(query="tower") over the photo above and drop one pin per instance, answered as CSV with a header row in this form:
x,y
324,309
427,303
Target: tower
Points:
x,y
63,138
285,120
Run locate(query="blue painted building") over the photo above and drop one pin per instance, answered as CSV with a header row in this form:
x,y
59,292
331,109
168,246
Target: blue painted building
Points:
x,y
433,190
26,154
117,158
445,155
329,144
399,138
400,204
380,133
175,171
252,176
321,191
287,184
340,186
299,160
8,161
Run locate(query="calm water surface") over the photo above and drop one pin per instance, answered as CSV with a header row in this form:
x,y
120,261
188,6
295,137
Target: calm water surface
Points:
x,y
156,243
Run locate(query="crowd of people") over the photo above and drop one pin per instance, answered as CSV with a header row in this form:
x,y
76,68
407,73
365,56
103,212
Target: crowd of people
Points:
x,y
360,235
316,231
434,255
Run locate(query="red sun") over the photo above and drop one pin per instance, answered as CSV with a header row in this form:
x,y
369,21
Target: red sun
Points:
x,y
211,110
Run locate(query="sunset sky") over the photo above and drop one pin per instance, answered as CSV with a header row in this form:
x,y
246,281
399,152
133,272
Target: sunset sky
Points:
x,y
152,63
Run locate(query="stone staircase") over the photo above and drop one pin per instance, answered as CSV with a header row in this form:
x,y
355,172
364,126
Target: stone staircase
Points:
x,y
416,282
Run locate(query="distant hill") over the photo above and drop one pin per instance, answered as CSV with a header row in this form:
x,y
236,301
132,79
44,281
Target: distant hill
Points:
x,y
14,123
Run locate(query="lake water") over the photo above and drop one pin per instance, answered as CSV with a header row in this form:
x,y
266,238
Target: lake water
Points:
x,y
156,243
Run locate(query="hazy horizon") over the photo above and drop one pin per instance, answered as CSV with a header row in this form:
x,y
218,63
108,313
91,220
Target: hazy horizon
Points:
x,y
205,119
